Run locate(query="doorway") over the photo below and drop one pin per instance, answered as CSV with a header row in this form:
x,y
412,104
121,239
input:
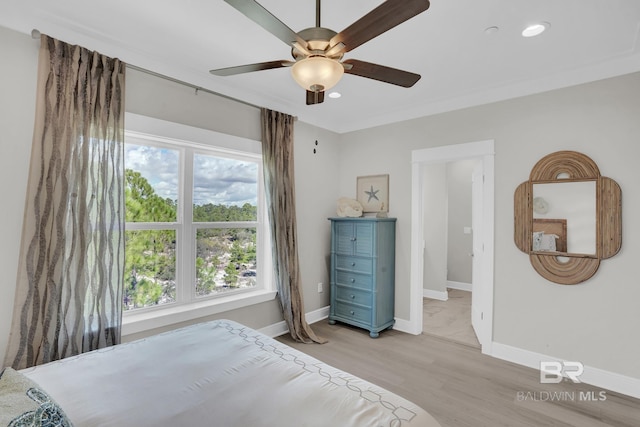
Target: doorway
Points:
x,y
482,280
449,248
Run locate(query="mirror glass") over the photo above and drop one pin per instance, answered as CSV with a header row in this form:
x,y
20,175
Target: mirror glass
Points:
x,y
564,217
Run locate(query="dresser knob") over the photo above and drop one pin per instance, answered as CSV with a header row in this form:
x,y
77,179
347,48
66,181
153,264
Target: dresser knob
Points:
x,y
352,312
353,264
353,296
353,280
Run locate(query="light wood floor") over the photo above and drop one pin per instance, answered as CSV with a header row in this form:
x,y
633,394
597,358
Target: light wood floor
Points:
x,y
460,386
450,319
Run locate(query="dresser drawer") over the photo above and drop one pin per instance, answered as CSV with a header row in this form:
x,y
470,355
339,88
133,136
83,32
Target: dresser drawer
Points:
x,y
362,265
354,295
353,312
346,278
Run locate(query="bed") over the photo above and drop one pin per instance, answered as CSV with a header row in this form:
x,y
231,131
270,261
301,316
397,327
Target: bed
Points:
x,y
217,373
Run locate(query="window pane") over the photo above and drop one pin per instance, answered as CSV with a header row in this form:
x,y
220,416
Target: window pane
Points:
x,y
224,189
152,183
225,259
150,268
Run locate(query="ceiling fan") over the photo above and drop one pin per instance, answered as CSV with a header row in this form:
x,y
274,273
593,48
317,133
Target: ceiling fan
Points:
x,y
318,51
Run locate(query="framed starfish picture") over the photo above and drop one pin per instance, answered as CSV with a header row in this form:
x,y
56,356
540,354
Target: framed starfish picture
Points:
x,y
373,193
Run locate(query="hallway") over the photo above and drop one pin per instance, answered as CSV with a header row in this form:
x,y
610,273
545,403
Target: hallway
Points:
x,y
450,319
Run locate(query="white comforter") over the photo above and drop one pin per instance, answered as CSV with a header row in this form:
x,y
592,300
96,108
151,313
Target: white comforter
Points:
x,y
217,373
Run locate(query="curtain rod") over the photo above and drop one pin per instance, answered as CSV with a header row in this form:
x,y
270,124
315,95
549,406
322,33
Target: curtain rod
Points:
x,y
191,85
36,35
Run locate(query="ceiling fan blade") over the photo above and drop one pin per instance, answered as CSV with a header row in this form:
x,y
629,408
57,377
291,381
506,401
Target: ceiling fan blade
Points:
x,y
380,73
315,97
240,69
261,16
384,17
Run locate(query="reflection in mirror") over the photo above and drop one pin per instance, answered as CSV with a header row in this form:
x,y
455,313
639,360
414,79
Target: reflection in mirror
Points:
x,y
564,217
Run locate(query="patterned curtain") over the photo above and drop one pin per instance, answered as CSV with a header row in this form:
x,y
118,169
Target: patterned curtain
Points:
x,y
70,277
277,155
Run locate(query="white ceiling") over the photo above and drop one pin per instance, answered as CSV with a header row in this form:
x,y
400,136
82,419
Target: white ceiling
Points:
x,y
461,65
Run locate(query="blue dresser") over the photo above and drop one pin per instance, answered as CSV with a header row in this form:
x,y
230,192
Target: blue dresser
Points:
x,y
363,272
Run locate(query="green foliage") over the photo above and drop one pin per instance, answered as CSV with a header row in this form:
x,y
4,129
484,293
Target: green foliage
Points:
x,y
206,273
237,253
231,274
222,213
143,204
237,257
150,262
146,293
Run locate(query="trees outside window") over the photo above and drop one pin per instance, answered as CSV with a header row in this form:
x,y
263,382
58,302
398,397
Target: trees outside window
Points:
x,y
193,224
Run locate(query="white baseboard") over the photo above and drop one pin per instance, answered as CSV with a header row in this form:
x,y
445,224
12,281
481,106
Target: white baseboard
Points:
x,y
281,328
459,285
406,327
594,376
428,293
317,315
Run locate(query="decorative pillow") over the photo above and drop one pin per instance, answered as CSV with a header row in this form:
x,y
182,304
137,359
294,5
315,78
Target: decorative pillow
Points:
x,y
24,404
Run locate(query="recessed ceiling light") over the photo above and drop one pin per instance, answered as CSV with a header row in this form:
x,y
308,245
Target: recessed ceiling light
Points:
x,y
335,95
535,29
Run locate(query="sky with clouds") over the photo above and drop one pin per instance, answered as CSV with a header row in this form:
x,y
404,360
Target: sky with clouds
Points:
x,y
216,180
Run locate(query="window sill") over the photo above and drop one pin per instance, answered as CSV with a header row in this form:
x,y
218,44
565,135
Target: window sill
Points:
x,y
139,322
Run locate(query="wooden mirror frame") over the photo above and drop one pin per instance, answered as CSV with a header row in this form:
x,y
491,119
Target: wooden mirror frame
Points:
x,y
578,267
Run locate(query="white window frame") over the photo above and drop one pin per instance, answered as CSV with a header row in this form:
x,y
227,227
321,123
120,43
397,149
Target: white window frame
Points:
x,y
190,140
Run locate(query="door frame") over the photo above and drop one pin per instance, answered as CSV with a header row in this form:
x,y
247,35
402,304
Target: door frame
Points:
x,y
420,159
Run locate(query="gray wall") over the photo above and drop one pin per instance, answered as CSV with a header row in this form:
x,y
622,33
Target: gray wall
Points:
x,y
459,244
18,69
595,322
435,228
447,210
159,98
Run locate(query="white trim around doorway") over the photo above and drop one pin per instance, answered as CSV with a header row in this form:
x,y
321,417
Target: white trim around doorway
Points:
x,y
483,150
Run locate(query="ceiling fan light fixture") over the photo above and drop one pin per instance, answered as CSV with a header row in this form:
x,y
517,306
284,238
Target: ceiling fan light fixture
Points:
x,y
317,73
